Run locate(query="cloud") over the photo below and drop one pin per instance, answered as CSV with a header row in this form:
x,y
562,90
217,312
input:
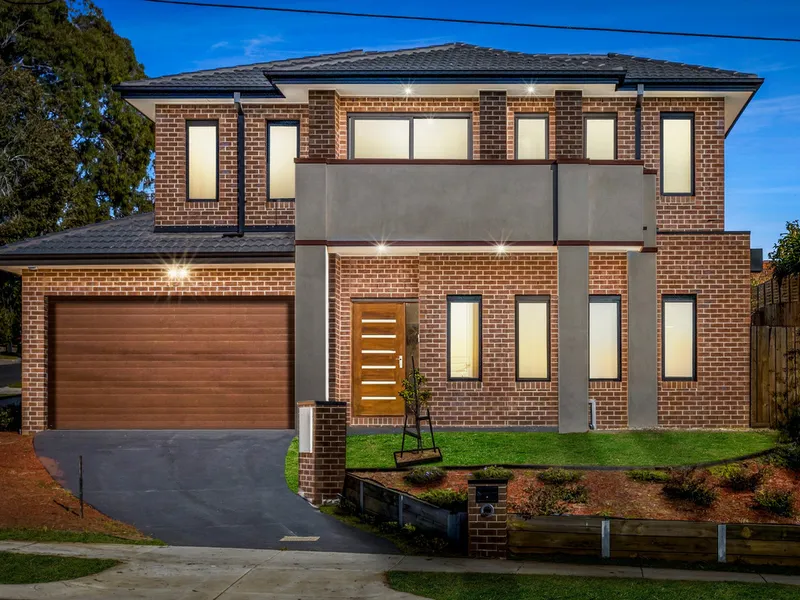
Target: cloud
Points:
x,y
764,112
219,45
255,47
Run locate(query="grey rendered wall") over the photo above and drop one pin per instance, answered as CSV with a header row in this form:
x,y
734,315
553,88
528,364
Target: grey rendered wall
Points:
x,y
642,341
311,323
573,338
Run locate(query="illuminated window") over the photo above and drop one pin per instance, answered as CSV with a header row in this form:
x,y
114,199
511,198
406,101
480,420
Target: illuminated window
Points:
x,y
677,154
531,137
678,337
202,144
410,136
604,337
283,146
533,337
463,337
600,136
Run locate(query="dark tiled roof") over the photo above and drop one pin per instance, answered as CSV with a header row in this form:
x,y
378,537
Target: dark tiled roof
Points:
x,y
447,58
133,236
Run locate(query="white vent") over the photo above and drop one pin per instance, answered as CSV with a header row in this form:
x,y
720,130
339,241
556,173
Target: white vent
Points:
x,y
306,431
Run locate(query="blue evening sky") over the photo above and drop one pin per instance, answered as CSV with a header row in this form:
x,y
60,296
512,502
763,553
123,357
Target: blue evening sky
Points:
x,y
762,152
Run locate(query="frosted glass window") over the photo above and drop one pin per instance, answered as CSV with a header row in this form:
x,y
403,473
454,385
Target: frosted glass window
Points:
x,y
441,138
201,149
532,138
464,337
601,138
381,138
282,149
677,158
679,337
604,337
533,331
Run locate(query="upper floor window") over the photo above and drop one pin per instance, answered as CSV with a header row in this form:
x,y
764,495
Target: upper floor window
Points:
x,y
678,337
531,136
464,337
410,136
202,160
600,136
677,154
604,338
283,146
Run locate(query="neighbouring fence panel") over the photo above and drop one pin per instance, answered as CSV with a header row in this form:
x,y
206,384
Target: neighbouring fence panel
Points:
x,y
773,372
758,544
554,535
384,504
776,303
664,540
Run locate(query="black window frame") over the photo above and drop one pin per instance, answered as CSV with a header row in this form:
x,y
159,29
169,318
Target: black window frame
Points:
x,y
601,116
281,123
604,299
352,117
527,299
533,115
466,299
201,123
675,116
679,298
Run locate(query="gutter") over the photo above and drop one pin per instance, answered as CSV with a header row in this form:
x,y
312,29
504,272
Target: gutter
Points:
x,y
240,216
151,258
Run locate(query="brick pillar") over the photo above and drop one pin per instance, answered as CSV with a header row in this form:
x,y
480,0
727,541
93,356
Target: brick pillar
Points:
x,y
569,124
322,462
493,125
487,533
323,123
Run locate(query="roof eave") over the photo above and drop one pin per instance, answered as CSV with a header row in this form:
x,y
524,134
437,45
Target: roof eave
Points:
x,y
515,76
148,258
179,92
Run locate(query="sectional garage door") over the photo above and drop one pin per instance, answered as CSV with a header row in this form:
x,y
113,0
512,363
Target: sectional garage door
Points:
x,y
171,363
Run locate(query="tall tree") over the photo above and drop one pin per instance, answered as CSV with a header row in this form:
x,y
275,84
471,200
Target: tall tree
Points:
x,y
72,151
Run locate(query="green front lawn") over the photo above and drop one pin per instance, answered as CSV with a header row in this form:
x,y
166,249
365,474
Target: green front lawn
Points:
x,y
480,586
40,568
75,537
632,448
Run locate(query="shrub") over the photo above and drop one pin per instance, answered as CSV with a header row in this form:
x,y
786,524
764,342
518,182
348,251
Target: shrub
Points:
x,y
550,499
424,475
11,418
559,476
691,485
645,476
574,494
740,477
451,500
493,473
776,501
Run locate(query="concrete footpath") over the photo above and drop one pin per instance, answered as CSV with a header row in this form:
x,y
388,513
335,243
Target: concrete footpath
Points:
x,y
174,572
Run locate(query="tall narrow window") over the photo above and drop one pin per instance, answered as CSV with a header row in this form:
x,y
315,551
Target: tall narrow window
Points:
x,y
464,337
283,146
417,136
604,337
679,338
202,160
677,154
600,136
533,338
531,137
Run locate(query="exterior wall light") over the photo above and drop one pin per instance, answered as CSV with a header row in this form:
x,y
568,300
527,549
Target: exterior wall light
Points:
x,y
531,89
501,248
381,248
408,90
177,272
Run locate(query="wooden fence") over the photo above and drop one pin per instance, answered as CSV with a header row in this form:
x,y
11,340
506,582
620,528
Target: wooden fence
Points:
x,y
385,504
774,354
675,541
776,303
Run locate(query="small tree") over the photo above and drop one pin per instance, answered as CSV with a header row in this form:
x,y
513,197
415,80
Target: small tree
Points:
x,y
785,256
423,392
787,402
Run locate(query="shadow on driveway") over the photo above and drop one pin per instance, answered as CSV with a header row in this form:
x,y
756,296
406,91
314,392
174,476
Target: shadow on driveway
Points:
x,y
198,488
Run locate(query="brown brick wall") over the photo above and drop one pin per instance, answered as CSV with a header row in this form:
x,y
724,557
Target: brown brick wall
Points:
x,y
493,125
38,286
321,471
172,209
569,124
323,116
716,267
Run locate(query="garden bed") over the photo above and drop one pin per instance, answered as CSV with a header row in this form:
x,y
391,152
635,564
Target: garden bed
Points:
x,y
614,494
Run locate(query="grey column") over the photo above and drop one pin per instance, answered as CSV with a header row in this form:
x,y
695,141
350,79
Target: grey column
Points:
x,y
573,338
311,323
642,341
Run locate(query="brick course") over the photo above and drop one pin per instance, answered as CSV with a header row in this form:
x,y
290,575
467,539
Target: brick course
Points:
x,y
569,124
41,285
321,471
493,127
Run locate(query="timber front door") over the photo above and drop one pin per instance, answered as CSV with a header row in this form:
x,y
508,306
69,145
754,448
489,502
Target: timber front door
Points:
x,y
379,345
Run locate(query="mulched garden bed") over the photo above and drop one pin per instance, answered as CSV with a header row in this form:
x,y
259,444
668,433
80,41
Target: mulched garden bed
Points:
x,y
30,499
613,494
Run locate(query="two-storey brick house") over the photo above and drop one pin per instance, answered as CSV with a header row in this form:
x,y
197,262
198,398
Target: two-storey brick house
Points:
x,y
521,225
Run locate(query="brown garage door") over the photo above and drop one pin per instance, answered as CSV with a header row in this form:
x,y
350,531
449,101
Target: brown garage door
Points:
x,y
164,363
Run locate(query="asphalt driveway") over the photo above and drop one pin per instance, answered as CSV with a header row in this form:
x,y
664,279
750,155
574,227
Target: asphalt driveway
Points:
x,y
198,488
